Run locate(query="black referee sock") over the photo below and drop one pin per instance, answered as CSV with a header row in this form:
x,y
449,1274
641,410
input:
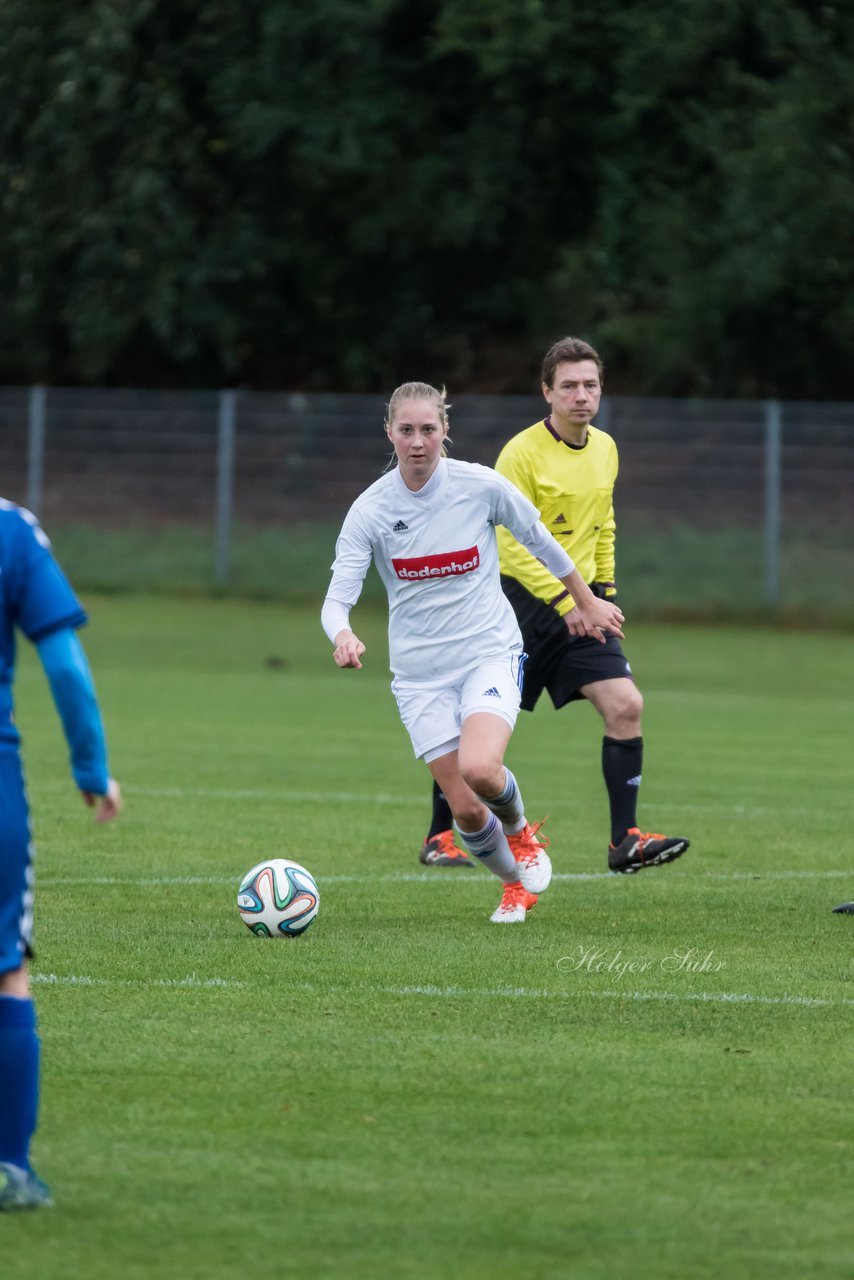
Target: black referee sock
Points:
x,y
622,762
442,816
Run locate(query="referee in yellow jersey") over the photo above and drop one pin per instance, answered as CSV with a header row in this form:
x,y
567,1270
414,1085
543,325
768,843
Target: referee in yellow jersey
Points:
x,y
567,467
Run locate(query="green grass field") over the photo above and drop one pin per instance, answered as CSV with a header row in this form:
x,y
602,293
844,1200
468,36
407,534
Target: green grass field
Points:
x,y
650,1078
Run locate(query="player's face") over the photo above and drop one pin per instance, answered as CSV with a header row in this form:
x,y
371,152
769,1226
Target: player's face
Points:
x,y
574,394
417,432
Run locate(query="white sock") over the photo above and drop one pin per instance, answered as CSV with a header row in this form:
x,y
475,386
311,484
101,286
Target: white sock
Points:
x,y
508,806
490,847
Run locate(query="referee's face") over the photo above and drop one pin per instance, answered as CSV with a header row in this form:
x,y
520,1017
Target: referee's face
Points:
x,y
574,396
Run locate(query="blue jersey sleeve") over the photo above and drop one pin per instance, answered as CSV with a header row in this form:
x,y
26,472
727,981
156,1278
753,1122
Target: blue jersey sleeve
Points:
x,y
37,591
73,692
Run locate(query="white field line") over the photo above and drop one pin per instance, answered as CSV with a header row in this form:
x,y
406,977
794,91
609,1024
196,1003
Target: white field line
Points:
x,y
382,799
456,878
480,993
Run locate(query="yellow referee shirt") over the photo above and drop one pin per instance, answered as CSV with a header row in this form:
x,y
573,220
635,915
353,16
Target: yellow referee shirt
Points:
x,y
572,487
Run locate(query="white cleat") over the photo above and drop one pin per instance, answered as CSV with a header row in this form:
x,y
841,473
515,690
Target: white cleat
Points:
x,y
515,904
535,865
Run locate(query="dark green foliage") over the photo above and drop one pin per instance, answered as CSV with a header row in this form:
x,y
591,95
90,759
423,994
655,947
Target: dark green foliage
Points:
x,y
346,193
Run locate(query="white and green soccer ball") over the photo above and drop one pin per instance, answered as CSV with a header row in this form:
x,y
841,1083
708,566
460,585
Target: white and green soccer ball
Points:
x,y
278,898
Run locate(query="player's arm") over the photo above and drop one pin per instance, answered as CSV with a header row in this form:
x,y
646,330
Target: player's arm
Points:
x,y
335,620
590,615
70,679
352,559
605,543
605,558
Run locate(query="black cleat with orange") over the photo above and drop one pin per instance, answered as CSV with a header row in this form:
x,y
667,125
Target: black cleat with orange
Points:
x,y
638,850
442,851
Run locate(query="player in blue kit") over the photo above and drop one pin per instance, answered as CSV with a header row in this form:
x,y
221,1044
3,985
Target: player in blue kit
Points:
x,y
36,599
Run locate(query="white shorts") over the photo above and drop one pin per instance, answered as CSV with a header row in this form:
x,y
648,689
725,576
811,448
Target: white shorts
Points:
x,y
433,711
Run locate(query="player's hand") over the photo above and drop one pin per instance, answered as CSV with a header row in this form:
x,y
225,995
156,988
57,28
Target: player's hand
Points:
x,y
348,650
108,806
595,619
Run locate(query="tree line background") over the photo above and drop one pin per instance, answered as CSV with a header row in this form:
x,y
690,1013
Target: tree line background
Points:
x,y
345,193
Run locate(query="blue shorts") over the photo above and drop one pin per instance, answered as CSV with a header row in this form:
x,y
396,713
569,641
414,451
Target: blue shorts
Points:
x,y
16,867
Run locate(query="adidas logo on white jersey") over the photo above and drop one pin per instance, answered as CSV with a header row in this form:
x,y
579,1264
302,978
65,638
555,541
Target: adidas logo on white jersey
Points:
x,y
399,527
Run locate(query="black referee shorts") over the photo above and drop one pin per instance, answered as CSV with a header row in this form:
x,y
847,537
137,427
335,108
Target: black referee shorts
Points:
x,y
558,662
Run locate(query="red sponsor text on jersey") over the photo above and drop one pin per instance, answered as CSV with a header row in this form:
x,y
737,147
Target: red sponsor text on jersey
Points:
x,y
449,563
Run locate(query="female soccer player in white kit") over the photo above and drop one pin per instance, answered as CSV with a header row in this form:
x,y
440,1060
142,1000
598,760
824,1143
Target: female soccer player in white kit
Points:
x,y
454,644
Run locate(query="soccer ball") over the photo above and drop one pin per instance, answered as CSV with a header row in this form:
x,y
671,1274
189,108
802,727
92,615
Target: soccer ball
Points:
x,y
278,898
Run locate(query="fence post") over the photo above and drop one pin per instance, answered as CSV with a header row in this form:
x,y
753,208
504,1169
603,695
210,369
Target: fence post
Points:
x,y
226,416
35,448
773,486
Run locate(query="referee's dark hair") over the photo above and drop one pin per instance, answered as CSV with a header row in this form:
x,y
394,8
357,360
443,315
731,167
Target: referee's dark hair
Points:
x,y
569,350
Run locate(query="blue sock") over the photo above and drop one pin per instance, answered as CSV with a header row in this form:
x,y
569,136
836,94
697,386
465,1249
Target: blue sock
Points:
x,y
19,1072
490,847
508,806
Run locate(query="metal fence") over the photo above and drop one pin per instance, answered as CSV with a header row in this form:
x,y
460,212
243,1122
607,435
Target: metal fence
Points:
x,y
755,496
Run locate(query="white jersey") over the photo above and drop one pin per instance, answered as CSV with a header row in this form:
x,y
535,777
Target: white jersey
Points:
x,y
437,555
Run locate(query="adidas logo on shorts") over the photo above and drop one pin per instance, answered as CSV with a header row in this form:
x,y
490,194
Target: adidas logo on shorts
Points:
x,y
491,693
